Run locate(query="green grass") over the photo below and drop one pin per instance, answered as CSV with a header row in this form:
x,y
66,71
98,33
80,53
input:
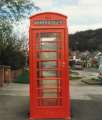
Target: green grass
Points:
x,y
23,78
94,79
74,73
75,77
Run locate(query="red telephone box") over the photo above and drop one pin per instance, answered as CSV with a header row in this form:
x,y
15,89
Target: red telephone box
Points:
x,y
49,72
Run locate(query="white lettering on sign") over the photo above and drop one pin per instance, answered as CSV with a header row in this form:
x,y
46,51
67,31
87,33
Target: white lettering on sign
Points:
x,y
43,22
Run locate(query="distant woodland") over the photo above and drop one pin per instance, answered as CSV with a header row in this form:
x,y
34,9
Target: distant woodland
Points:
x,y
86,40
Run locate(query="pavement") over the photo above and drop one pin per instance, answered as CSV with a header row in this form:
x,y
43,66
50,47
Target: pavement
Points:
x,y
86,101
14,102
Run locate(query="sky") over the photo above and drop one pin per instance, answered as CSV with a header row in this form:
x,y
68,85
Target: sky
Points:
x,y
82,14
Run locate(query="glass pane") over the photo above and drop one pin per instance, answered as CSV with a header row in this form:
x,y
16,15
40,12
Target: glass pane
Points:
x,y
48,46
47,56
49,73
50,102
49,36
48,39
48,83
48,64
49,93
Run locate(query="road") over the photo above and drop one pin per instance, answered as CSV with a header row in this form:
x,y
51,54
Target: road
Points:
x,y
86,101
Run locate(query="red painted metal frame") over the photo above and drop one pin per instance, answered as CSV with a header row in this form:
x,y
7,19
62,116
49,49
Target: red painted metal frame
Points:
x,y
36,111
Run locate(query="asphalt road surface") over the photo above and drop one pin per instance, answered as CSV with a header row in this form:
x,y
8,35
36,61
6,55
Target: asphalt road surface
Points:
x,y
86,102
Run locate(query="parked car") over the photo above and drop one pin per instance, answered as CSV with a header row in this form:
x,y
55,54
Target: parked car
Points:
x,y
78,65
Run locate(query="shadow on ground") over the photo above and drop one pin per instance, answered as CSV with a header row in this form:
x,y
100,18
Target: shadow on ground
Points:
x,y
17,108
86,109
14,107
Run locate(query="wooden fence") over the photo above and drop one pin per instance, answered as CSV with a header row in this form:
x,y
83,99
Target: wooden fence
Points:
x,y
5,74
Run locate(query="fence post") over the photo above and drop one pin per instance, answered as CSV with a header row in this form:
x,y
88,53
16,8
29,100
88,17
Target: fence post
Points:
x,y
1,75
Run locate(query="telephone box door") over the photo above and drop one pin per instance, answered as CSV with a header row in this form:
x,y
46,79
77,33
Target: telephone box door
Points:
x,y
50,97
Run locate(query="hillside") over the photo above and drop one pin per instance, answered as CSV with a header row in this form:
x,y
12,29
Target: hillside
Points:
x,y
86,40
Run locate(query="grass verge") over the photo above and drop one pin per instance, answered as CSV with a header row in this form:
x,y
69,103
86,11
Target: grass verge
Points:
x,y
23,78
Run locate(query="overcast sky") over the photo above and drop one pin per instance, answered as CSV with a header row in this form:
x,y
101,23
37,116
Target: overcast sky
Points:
x,y
82,14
